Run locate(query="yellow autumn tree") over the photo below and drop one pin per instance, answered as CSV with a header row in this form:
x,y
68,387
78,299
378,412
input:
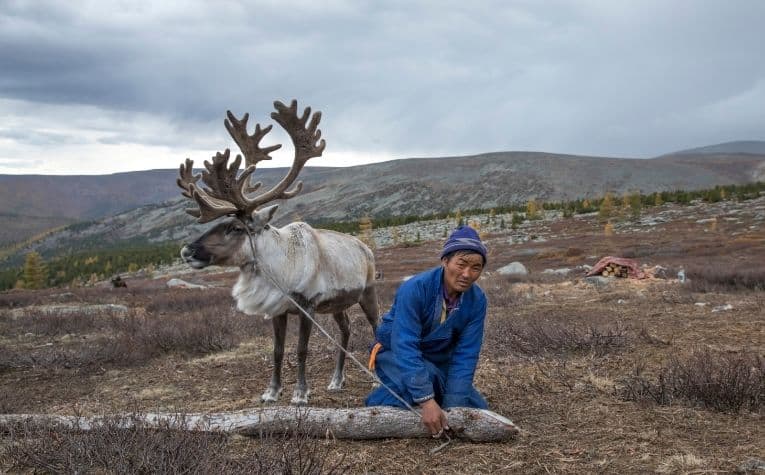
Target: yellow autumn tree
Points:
x,y
636,205
458,218
606,210
365,232
35,271
532,210
476,224
395,235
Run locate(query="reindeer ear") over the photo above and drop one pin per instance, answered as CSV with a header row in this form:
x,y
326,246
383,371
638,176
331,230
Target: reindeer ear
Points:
x,y
263,216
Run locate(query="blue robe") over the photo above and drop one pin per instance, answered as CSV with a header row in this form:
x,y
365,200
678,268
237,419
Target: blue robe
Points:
x,y
422,358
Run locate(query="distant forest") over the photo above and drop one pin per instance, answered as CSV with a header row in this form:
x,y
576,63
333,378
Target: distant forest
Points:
x,y
85,267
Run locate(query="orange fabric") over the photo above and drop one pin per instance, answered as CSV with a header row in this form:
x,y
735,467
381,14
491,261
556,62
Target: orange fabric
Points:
x,y
373,356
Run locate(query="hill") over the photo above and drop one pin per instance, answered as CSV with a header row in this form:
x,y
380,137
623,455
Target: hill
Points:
x,y
416,186
755,147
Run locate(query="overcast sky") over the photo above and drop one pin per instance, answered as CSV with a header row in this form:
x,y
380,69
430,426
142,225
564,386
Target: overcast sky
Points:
x,y
106,86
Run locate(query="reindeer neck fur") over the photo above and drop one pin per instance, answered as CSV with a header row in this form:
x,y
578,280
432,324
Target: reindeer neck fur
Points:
x,y
324,269
281,254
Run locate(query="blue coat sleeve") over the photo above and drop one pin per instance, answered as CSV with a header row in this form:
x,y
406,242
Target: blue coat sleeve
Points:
x,y
406,335
464,359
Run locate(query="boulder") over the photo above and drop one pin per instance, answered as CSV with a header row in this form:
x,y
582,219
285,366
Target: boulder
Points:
x,y
514,268
562,271
182,284
598,281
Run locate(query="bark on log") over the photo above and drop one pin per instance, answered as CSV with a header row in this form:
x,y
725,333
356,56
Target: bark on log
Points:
x,y
476,425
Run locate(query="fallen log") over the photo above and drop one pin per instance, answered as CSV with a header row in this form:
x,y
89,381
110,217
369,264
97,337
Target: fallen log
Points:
x,y
477,425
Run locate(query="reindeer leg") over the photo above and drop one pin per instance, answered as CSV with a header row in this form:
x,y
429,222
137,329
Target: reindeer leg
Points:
x,y
301,393
344,324
369,305
275,387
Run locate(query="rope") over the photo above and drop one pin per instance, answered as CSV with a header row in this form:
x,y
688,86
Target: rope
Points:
x,y
350,355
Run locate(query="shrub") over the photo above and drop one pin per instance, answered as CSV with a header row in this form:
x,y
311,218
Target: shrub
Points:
x,y
55,323
190,300
716,278
719,381
128,340
111,449
545,337
205,330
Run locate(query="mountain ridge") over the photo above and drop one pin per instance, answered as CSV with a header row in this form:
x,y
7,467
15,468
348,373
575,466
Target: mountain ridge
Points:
x,y
149,204
753,147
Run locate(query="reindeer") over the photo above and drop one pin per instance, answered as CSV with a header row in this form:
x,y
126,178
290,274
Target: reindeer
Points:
x,y
320,270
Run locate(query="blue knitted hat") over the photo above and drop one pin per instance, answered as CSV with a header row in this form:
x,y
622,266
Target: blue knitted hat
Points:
x,y
464,238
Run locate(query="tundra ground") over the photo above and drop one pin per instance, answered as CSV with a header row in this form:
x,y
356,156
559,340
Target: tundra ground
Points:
x,y
597,375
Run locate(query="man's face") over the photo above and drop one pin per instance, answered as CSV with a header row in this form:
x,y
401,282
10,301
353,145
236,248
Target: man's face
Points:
x,y
460,271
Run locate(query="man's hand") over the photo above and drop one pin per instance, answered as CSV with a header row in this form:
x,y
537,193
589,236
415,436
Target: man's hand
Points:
x,y
434,418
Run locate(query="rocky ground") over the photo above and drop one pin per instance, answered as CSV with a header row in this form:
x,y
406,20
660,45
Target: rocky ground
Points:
x,y
574,362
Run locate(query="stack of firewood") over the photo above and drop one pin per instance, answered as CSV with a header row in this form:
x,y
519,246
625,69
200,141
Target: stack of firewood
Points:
x,y
614,270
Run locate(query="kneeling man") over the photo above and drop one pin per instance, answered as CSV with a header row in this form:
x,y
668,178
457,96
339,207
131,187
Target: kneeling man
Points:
x,y
428,343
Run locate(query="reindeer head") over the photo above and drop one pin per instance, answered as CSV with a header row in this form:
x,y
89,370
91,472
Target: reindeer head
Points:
x,y
227,194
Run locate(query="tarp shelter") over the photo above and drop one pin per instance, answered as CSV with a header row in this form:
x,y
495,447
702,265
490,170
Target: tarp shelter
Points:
x,y
633,269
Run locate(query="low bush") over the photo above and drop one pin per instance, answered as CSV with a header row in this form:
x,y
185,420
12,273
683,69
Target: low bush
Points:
x,y
108,448
547,337
98,341
716,278
55,323
23,298
185,301
204,331
719,381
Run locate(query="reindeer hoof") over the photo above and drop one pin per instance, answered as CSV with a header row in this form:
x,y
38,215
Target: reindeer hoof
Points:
x,y
300,398
271,395
336,384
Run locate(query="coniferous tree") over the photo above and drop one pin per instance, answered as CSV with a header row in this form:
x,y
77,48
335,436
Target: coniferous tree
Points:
x,y
365,232
458,218
606,210
532,210
636,205
516,221
35,271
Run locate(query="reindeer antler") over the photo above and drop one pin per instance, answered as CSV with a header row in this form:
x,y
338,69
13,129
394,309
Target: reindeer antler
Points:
x,y
226,194
249,144
304,140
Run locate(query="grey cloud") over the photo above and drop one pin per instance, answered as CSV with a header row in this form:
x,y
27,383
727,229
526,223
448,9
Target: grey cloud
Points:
x,y
38,137
426,78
